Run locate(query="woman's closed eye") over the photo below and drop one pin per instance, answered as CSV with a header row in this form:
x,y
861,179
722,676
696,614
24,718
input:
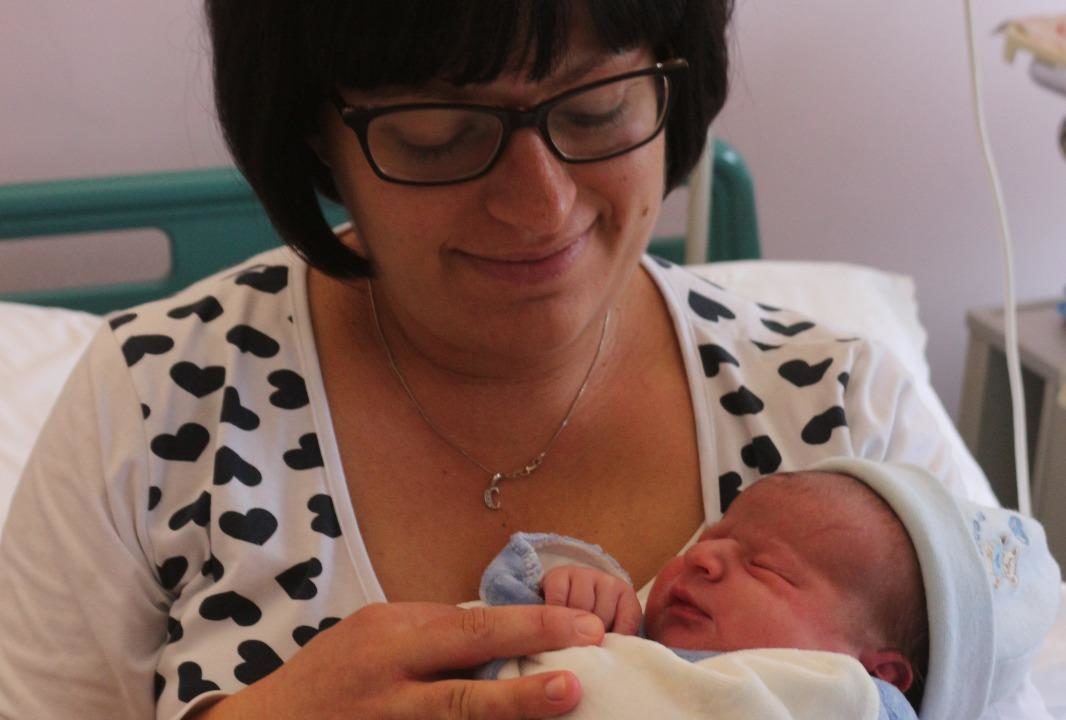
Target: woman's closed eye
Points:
x,y
425,149
614,117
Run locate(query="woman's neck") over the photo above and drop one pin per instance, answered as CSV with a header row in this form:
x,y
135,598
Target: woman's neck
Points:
x,y
499,403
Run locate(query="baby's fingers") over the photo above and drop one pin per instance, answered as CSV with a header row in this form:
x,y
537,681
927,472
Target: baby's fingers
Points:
x,y
556,589
545,695
627,619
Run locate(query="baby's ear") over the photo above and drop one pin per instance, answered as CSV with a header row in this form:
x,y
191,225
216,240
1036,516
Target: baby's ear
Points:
x,y
889,665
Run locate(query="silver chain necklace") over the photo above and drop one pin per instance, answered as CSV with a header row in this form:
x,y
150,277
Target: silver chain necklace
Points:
x,y
491,495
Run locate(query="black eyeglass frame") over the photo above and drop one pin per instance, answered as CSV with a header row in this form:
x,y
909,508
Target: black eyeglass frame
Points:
x,y
358,119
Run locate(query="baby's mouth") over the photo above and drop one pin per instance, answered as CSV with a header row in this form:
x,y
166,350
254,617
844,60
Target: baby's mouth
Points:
x,y
684,604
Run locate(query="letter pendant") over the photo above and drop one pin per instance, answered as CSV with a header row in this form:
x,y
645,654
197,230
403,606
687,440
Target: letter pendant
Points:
x,y
492,493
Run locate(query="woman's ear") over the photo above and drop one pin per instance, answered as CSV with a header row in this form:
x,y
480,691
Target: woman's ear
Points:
x,y
889,665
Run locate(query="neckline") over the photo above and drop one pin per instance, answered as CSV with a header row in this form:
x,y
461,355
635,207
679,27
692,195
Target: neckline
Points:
x,y
327,439
334,471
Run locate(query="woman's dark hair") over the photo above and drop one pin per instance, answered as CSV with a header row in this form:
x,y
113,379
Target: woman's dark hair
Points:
x,y
276,62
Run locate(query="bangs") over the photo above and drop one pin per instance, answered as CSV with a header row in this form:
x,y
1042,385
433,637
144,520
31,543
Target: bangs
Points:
x,y
368,45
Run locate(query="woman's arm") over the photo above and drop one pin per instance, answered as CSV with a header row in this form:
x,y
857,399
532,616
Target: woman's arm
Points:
x,y
82,613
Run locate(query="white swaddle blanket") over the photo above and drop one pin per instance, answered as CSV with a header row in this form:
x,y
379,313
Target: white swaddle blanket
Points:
x,y
629,677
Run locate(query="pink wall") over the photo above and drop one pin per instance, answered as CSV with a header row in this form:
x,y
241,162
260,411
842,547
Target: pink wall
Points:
x,y
856,120
854,116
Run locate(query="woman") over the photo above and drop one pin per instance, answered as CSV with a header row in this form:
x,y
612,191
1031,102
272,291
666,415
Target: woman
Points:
x,y
237,470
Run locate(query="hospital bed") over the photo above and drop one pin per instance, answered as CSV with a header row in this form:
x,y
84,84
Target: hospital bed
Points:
x,y
212,220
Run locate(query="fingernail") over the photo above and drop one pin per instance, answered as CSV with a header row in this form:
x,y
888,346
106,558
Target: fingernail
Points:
x,y
555,689
588,626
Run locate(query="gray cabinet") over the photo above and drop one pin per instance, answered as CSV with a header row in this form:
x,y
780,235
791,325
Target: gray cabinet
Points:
x,y
985,410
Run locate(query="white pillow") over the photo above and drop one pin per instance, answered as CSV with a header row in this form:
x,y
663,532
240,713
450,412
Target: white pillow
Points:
x,y
38,348
871,303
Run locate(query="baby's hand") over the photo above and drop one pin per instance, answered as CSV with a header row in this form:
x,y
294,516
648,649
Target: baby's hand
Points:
x,y
612,599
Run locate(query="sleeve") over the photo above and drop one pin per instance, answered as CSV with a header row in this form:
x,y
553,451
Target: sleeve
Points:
x,y
894,417
82,613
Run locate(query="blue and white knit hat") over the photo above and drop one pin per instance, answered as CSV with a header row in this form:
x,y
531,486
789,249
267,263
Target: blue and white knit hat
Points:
x,y
991,586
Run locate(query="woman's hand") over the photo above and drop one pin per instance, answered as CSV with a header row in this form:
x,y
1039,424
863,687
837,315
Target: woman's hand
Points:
x,y
399,661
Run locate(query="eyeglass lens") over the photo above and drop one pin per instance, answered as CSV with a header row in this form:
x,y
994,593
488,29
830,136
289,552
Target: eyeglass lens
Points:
x,y
443,144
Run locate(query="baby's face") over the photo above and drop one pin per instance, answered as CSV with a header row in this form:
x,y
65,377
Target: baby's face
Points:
x,y
774,572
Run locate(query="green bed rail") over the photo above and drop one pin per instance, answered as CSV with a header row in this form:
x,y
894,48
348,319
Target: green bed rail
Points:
x,y
211,220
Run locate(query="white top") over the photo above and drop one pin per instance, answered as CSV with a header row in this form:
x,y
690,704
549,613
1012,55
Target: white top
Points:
x,y
183,525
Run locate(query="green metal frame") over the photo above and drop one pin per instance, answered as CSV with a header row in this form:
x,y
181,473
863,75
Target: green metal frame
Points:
x,y
212,220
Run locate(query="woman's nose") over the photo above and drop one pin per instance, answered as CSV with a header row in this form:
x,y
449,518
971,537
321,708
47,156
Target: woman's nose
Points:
x,y
530,188
712,558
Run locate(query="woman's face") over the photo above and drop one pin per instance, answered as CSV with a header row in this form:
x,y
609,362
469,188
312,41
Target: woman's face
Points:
x,y
522,260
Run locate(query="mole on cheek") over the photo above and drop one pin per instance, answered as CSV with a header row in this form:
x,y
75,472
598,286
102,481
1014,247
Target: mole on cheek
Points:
x,y
645,211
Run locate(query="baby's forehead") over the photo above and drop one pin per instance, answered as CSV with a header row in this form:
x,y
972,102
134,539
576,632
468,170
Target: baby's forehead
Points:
x,y
806,491
805,503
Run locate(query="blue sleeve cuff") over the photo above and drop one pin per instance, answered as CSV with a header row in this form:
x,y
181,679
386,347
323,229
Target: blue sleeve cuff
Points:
x,y
514,576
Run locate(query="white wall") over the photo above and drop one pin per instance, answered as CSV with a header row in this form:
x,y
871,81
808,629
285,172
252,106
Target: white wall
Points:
x,y
854,117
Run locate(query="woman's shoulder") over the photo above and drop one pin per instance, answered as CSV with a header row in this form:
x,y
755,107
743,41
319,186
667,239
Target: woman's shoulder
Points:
x,y
257,290
230,341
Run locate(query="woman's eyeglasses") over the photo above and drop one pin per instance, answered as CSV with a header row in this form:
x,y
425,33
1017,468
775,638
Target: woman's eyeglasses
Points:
x,y
444,143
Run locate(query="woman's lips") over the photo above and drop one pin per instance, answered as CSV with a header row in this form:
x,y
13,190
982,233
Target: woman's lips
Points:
x,y
528,271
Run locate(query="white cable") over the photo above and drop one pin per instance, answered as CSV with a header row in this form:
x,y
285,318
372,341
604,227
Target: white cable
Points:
x,y
1010,316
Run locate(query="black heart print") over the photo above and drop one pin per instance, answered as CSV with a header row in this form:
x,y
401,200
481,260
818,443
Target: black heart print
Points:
x,y
172,571
820,429
230,606
119,320
207,309
270,279
708,309
136,347
249,340
212,567
787,330
307,456
197,381
325,521
713,356
762,455
304,633
185,446
297,581
191,682
742,402
256,526
728,489
291,391
154,496
236,414
800,374
198,512
259,661
229,465
175,631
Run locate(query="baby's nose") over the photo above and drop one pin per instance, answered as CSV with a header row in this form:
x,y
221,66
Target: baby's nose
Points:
x,y
712,557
